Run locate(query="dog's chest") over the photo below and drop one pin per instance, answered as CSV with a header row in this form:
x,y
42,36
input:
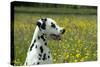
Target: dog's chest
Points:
x,y
41,53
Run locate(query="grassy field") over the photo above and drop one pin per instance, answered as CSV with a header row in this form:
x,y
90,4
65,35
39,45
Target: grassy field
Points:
x,y
78,44
56,10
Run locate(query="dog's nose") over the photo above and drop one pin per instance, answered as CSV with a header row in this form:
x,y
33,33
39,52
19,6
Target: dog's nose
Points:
x,y
62,31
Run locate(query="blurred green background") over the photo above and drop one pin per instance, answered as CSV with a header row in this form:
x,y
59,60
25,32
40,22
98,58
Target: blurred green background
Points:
x,y
78,44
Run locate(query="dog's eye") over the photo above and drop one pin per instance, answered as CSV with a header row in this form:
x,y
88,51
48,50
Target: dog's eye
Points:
x,y
53,25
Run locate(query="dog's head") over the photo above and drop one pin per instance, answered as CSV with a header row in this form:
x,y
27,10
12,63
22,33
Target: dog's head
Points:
x,y
49,27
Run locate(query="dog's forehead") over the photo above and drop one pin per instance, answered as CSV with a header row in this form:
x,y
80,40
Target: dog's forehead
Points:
x,y
50,22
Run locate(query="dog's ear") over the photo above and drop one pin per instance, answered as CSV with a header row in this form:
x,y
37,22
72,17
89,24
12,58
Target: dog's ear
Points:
x,y
39,24
42,24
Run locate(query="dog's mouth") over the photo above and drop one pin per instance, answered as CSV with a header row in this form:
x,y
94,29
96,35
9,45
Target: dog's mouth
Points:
x,y
55,37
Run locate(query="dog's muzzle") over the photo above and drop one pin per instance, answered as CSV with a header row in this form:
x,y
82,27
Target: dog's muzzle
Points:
x,y
58,37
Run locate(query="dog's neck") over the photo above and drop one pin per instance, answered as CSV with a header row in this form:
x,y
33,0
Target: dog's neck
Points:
x,y
38,33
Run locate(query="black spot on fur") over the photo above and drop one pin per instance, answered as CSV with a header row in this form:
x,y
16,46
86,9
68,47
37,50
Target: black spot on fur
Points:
x,y
45,43
41,49
36,46
53,25
39,58
38,37
48,56
34,40
32,45
38,63
42,36
44,57
40,55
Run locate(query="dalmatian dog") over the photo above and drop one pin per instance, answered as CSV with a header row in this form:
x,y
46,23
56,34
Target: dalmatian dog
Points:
x,y
38,52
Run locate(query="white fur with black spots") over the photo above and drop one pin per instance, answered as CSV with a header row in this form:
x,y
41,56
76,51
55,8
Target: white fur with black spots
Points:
x,y
38,52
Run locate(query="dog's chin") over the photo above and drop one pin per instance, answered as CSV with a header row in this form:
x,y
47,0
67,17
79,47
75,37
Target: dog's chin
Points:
x,y
55,37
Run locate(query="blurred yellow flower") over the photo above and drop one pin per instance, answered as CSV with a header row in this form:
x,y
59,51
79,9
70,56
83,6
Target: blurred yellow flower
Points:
x,y
75,60
77,55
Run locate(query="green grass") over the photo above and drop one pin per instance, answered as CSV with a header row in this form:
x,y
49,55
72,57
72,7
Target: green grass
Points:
x,y
78,44
56,10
